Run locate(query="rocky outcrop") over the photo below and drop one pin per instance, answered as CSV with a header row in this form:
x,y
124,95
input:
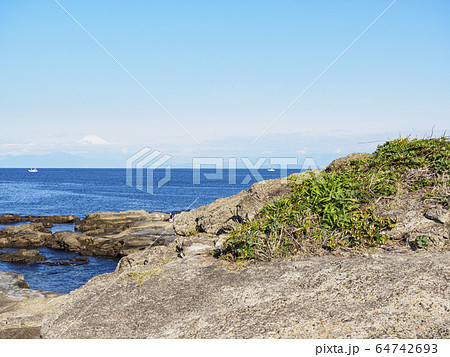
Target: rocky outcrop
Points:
x,y
22,309
104,234
157,294
224,214
417,217
117,221
24,236
343,162
138,236
22,256
12,218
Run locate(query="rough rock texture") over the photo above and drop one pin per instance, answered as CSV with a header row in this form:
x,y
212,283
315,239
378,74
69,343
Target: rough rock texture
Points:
x,y
12,218
105,234
137,236
418,217
22,256
157,294
223,214
118,220
22,309
24,236
342,162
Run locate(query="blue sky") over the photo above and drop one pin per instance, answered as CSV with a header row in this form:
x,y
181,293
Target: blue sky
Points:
x,y
225,70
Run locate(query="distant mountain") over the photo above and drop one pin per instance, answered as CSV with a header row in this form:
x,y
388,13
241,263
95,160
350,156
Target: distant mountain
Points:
x,y
59,160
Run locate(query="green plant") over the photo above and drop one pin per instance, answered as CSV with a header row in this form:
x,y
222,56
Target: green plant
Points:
x,y
192,232
336,209
422,241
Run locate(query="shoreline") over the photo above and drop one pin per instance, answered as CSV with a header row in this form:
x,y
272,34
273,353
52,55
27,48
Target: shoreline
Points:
x,y
333,295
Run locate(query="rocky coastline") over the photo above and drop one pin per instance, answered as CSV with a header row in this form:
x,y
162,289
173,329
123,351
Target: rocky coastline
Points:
x,y
168,284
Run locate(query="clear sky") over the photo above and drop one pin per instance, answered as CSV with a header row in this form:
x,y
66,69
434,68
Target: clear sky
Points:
x,y
224,70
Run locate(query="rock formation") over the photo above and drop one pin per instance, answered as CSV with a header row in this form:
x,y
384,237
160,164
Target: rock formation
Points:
x,y
22,256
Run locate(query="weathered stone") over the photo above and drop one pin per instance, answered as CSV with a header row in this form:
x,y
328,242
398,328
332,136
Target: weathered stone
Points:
x,y
116,221
11,218
387,296
22,309
54,219
438,214
24,236
22,256
223,214
64,240
81,259
343,162
136,237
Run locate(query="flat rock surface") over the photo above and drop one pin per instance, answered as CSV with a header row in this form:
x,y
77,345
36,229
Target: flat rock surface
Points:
x,y
159,295
22,309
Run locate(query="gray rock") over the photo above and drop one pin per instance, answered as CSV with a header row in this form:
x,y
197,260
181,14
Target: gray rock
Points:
x,y
343,162
438,214
117,221
387,296
224,214
22,309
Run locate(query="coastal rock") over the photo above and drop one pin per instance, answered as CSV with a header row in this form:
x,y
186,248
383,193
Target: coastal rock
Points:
x,y
22,256
22,309
408,209
117,221
64,240
138,236
54,219
81,259
387,296
342,162
24,236
223,214
11,218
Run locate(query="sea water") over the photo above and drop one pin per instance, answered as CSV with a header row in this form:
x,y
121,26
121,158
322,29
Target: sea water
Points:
x,y
82,191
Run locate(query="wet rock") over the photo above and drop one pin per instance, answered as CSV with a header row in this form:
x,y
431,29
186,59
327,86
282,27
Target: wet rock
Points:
x,y
24,236
22,256
80,259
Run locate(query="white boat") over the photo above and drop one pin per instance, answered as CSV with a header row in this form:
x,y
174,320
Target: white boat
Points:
x,y
271,170
32,170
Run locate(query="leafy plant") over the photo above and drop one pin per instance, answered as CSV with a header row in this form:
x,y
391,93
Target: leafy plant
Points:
x,y
422,241
336,209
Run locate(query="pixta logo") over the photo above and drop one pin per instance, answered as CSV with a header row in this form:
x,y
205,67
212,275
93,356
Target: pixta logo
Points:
x,y
140,169
148,160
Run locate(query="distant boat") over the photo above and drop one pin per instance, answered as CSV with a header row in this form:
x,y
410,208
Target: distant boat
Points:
x,y
32,170
271,170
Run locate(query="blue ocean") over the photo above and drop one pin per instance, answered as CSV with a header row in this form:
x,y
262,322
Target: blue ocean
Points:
x,y
82,191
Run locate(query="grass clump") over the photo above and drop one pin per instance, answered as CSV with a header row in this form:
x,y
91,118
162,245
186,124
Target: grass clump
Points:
x,y
330,210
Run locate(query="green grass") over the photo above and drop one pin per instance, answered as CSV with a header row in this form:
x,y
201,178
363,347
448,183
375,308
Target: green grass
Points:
x,y
330,210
